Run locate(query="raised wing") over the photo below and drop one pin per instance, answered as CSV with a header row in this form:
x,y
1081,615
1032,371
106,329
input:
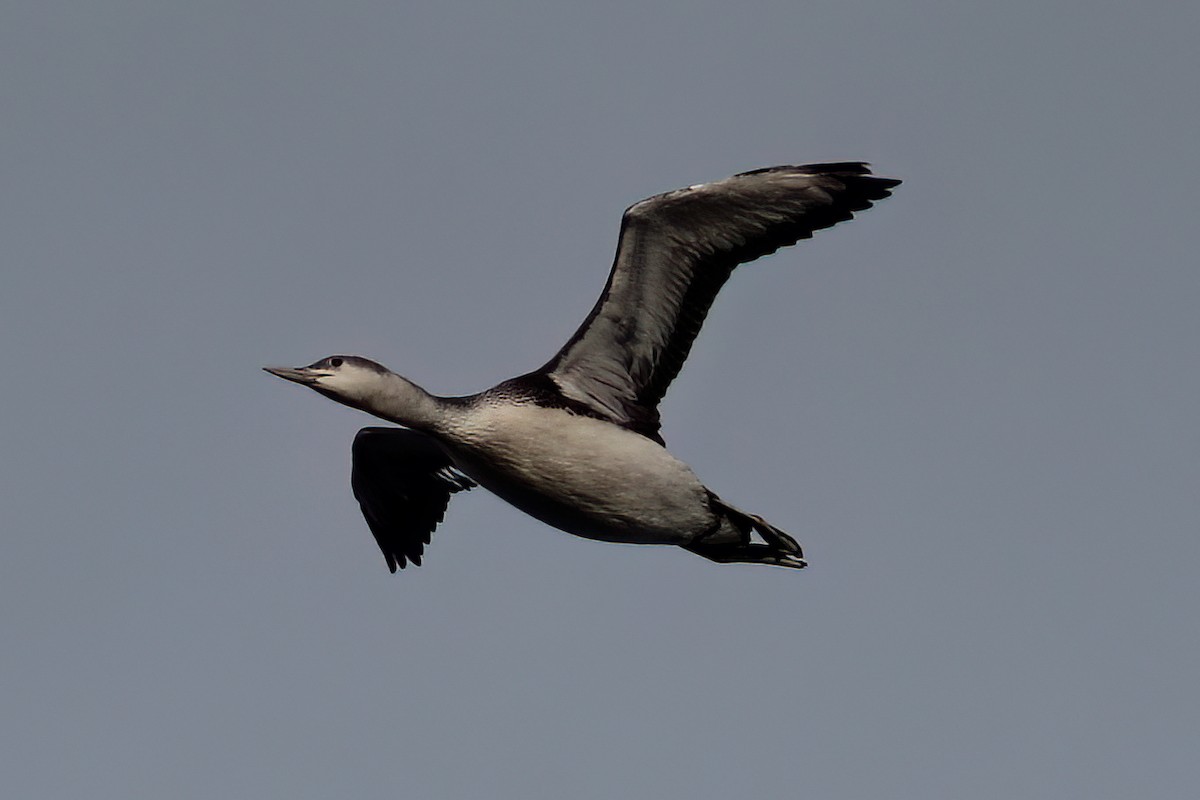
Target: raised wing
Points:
x,y
675,252
403,482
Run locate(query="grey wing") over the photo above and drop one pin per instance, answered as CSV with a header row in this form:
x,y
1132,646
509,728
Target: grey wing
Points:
x,y
675,252
403,482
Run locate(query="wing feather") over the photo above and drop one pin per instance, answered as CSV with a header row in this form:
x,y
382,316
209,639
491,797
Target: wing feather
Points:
x,y
675,252
403,482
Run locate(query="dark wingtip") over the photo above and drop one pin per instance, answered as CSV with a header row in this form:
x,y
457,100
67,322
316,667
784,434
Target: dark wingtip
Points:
x,y
856,170
852,167
843,167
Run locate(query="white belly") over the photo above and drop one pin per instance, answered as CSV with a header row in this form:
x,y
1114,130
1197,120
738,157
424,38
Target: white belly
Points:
x,y
581,475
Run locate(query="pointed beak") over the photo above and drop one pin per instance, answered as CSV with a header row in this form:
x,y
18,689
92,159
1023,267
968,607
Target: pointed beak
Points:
x,y
304,375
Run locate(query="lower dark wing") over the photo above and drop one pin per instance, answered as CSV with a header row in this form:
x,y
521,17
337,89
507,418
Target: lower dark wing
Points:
x,y
403,482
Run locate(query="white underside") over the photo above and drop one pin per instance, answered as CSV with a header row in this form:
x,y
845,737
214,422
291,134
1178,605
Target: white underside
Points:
x,y
582,475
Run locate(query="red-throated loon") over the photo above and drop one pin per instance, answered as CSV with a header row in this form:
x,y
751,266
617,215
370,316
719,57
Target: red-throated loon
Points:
x,y
576,443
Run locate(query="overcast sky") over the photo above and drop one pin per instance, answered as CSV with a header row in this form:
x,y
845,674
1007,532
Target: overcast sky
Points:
x,y
976,405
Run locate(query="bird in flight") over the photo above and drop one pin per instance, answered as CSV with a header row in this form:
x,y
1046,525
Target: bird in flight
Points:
x,y
576,443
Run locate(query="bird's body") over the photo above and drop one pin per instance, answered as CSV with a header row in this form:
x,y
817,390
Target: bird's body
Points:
x,y
576,443
627,489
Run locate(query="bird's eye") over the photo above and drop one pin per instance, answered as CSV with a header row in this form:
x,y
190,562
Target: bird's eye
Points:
x,y
335,362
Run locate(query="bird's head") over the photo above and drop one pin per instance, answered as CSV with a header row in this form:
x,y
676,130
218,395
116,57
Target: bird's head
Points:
x,y
352,380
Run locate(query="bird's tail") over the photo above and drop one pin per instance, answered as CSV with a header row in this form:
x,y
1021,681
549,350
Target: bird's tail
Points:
x,y
747,538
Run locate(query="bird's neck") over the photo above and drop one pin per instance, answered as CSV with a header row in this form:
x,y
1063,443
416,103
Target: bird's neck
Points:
x,y
399,400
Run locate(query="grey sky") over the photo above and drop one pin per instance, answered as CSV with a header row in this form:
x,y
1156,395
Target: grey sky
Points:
x,y
976,406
